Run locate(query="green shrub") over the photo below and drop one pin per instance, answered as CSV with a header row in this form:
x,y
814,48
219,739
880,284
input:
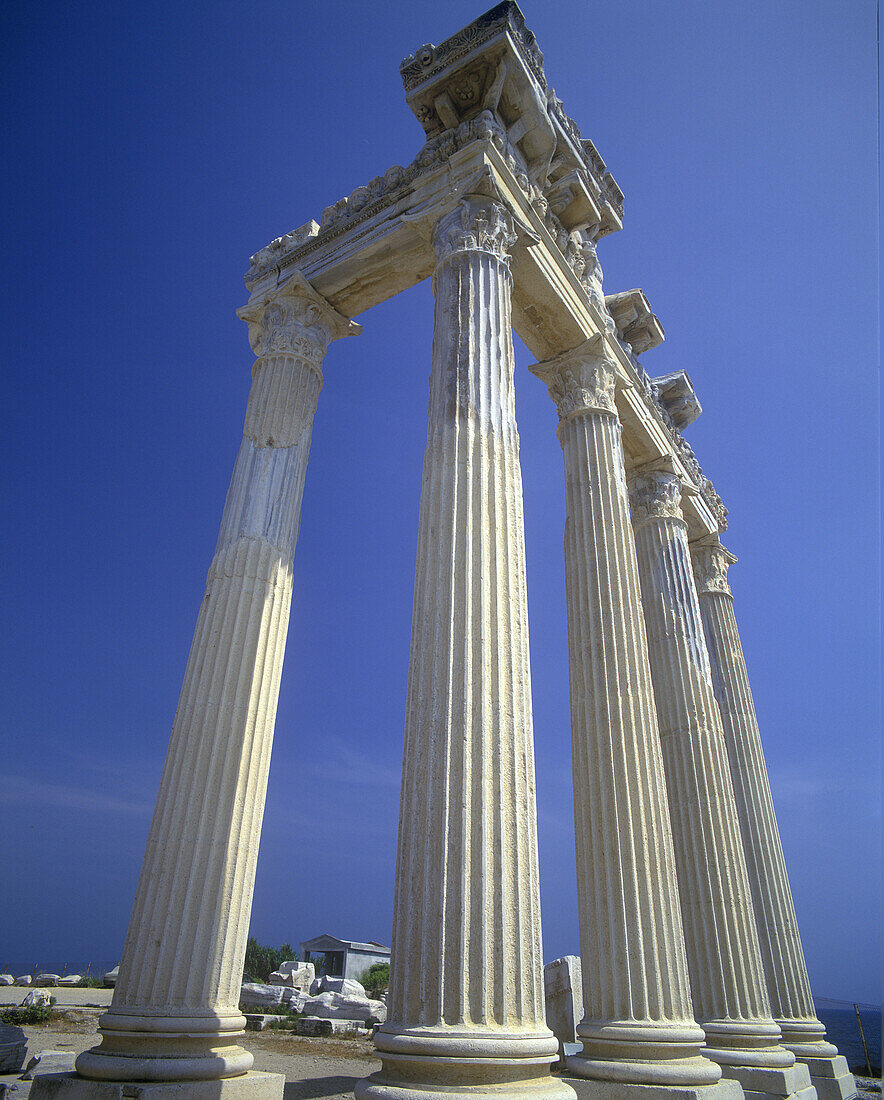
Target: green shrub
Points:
x,y
261,961
376,978
32,1014
90,982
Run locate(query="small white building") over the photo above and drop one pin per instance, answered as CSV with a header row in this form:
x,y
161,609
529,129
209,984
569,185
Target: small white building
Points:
x,y
344,958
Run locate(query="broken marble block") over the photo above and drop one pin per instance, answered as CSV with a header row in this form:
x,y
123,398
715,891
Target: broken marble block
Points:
x,y
564,998
49,1061
337,1006
13,1047
254,994
24,979
46,979
296,974
7,979
349,987
37,998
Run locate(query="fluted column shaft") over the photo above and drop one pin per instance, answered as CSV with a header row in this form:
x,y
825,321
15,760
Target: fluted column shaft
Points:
x,y
466,999
174,1014
638,1026
724,961
781,952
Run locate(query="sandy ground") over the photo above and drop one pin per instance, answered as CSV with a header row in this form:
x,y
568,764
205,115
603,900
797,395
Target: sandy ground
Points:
x,y
313,1068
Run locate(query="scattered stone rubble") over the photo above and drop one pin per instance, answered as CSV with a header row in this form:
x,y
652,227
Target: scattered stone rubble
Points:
x,y
295,988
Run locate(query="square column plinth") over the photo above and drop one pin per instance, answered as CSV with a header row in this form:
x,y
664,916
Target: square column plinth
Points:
x,y
70,1086
831,1077
623,1090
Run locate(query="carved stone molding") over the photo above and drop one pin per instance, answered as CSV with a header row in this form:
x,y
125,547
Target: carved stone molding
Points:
x,y
711,562
580,380
655,495
294,320
477,224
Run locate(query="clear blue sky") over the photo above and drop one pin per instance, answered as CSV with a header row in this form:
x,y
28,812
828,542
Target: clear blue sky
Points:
x,y
150,149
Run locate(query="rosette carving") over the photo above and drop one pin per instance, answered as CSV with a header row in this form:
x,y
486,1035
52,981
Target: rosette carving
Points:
x,y
711,564
655,495
476,225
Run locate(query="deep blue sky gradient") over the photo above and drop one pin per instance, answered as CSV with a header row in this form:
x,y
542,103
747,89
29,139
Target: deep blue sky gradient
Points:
x,y
150,149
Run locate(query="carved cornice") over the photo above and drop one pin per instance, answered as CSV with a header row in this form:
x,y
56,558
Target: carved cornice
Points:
x,y
656,400
676,392
494,63
638,325
581,380
293,319
477,224
711,562
655,494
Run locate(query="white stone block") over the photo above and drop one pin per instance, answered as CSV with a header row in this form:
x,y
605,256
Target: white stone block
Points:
x,y
36,998
349,987
564,998
296,974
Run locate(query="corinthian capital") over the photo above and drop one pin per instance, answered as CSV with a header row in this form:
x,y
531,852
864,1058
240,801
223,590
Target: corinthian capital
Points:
x,y
293,319
711,561
477,224
654,495
580,380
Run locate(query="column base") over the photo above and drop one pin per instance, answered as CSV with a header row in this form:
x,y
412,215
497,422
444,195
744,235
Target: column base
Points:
x,y
831,1077
765,1083
70,1086
137,1046
641,1053
806,1039
622,1090
432,1064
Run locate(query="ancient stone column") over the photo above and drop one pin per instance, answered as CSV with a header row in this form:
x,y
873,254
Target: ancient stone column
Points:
x,y
466,999
638,1028
781,952
724,961
175,1015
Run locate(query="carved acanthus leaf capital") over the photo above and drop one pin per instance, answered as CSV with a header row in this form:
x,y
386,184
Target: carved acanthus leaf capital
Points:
x,y
477,224
655,494
580,380
711,562
293,319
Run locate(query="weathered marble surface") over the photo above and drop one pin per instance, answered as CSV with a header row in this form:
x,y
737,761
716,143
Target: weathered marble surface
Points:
x,y
782,954
466,1004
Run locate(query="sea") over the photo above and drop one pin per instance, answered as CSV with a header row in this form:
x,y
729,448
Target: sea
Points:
x,y
843,1030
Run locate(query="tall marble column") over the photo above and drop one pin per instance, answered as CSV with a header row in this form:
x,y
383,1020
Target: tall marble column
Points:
x,y
174,1014
466,1000
638,1027
781,952
724,961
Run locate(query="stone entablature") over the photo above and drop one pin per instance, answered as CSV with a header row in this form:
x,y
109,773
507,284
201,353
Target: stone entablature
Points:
x,y
384,237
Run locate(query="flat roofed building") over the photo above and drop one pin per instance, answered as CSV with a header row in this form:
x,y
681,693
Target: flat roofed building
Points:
x,y
344,958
